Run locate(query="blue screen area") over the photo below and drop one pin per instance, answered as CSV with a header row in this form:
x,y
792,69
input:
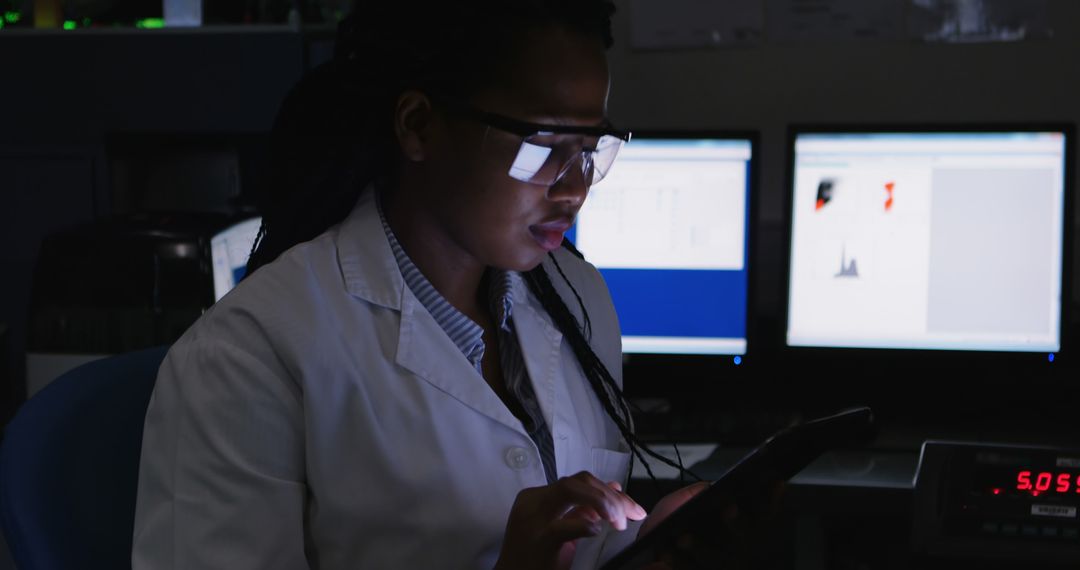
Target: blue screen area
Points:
x,y
230,249
669,231
239,272
674,302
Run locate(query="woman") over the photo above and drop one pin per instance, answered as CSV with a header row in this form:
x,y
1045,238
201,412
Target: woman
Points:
x,y
401,382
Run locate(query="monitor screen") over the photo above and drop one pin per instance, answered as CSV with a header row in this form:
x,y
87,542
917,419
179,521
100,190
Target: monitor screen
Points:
x,y
945,241
230,250
668,229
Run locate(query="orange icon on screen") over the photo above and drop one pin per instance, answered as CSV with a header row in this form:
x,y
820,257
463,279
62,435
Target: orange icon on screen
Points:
x,y
824,193
888,201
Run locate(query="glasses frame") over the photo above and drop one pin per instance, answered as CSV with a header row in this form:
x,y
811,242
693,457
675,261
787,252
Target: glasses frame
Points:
x,y
526,129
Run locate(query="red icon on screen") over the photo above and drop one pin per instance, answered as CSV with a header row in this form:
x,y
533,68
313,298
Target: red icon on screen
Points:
x,y
889,186
824,193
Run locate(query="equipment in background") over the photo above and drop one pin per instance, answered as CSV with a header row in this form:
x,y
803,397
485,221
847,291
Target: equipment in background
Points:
x,y
669,229
922,253
947,241
1006,503
124,284
145,270
230,249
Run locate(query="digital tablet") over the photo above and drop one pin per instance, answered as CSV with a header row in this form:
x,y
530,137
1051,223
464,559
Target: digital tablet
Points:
x,y
751,479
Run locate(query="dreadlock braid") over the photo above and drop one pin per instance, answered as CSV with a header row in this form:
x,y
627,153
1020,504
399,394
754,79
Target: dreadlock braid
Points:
x,y
600,379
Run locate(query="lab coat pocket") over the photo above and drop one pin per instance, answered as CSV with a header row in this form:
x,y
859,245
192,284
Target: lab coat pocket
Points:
x,y
610,465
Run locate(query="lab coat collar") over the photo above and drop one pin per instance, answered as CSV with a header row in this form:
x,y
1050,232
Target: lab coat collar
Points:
x,y
430,354
367,262
370,272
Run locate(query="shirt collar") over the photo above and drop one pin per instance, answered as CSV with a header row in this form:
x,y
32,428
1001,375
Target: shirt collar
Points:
x,y
463,331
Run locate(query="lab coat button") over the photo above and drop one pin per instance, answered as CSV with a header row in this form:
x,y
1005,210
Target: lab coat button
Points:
x,y
517,458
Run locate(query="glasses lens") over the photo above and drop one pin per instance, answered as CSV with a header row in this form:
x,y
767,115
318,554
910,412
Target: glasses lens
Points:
x,y
530,161
607,148
544,159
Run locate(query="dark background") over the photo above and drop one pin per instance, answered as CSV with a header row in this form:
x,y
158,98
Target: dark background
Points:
x,y
82,110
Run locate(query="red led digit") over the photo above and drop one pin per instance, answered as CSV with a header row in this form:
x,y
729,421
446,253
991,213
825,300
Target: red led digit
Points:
x,y
1063,480
1042,482
1023,481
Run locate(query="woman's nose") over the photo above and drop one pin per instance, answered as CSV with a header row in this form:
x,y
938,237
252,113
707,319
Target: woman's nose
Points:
x,y
573,187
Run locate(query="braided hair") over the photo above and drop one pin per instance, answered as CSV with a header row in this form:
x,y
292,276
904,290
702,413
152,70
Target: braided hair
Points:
x,y
334,133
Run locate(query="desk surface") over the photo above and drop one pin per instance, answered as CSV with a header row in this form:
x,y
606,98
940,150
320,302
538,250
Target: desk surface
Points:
x,y
873,469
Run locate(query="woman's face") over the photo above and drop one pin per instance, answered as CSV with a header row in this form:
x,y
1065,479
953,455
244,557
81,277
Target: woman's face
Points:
x,y
558,77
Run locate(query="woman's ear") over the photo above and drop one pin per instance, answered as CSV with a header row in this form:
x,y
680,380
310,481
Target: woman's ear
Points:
x,y
413,121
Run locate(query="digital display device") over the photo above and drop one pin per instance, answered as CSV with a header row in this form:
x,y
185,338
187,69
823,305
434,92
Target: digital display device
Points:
x,y
1026,473
230,249
668,228
998,500
946,240
700,521
1039,482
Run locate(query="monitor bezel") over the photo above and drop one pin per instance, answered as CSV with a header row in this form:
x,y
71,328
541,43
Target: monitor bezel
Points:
x,y
231,226
666,376
905,361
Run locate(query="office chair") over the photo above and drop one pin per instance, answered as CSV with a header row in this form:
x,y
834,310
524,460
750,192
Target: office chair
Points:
x,y
69,465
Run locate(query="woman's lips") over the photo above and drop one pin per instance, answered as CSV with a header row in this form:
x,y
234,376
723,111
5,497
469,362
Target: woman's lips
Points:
x,y
550,234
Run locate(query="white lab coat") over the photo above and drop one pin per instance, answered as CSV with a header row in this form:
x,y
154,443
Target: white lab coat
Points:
x,y
318,417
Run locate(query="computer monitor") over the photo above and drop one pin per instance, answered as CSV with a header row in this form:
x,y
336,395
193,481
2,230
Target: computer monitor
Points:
x,y
230,249
948,242
668,228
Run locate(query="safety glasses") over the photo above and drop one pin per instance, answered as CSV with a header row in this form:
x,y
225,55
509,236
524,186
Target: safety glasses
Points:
x,y
548,152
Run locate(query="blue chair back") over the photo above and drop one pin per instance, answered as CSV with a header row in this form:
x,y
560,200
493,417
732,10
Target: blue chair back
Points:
x,y
69,465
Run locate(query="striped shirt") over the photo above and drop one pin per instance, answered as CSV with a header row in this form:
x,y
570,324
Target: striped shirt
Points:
x,y
468,337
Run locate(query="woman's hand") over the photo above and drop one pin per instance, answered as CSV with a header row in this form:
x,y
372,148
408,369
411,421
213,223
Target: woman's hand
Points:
x,y
546,521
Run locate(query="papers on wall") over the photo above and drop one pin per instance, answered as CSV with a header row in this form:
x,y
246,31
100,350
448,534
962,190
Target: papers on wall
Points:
x,y
695,24
667,24
795,20
968,21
